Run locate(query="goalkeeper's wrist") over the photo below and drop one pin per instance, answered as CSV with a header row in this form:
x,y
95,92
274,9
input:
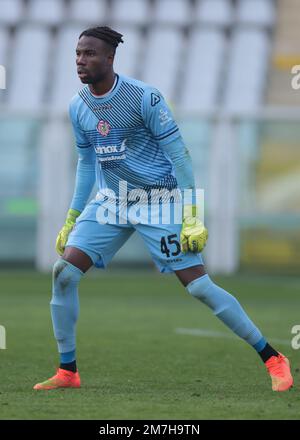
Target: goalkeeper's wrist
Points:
x,y
190,211
72,215
189,200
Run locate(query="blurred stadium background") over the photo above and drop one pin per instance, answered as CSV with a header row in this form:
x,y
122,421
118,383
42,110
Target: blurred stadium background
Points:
x,y
224,66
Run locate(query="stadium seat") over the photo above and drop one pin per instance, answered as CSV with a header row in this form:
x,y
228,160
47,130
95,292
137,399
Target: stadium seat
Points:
x,y
49,12
203,68
29,73
130,11
65,82
247,69
4,35
215,12
128,54
18,138
91,11
172,12
197,135
260,12
11,11
163,54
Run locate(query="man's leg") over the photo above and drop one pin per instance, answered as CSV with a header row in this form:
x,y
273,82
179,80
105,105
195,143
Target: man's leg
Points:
x,y
67,273
90,243
229,311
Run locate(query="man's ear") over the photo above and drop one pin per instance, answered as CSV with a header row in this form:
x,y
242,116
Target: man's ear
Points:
x,y
111,57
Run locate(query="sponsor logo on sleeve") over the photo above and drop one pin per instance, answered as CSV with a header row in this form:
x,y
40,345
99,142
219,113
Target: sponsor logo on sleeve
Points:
x,y
164,117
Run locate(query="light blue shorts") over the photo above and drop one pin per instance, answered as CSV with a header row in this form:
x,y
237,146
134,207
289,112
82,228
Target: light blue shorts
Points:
x,y
101,241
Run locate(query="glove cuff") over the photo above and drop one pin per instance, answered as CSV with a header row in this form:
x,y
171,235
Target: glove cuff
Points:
x,y
189,211
72,215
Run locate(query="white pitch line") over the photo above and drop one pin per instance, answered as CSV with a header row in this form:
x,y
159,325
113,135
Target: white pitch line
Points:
x,y
213,334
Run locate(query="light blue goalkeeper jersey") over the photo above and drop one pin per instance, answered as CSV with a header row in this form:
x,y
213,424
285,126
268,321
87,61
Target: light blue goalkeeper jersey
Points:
x,y
127,130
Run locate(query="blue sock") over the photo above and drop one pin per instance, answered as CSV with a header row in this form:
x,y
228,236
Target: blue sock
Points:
x,y
260,345
67,358
65,308
227,309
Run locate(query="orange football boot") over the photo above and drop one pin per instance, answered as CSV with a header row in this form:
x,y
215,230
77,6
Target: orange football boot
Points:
x,y
279,370
62,379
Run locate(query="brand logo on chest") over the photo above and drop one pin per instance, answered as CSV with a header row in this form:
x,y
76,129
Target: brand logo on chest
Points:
x,y
108,149
102,107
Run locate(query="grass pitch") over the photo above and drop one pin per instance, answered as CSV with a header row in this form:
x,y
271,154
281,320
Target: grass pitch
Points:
x,y
133,363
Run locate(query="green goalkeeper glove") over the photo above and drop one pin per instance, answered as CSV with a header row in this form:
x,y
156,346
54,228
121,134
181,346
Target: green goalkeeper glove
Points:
x,y
63,235
194,234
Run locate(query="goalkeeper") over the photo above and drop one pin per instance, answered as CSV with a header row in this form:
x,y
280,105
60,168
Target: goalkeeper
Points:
x,y
125,132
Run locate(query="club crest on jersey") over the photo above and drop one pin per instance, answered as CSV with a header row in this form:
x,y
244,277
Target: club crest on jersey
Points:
x,y
103,128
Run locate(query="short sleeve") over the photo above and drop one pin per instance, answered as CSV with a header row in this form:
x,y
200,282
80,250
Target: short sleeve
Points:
x,y
158,117
81,139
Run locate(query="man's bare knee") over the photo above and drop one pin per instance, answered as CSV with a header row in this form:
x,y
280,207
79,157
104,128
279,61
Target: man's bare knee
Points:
x,y
186,276
78,258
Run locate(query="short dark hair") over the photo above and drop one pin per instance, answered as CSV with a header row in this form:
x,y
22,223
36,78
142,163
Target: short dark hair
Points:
x,y
105,33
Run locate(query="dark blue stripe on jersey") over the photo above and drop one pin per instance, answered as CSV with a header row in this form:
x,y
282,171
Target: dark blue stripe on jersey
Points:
x,y
130,176
160,138
120,102
156,160
148,174
154,154
83,145
120,130
168,181
145,165
166,132
134,92
136,162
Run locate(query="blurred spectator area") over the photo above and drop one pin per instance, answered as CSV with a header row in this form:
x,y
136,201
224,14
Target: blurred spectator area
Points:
x,y
192,50
219,63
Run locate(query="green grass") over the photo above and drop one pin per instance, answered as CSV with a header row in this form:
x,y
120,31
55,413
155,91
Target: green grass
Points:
x,y
133,364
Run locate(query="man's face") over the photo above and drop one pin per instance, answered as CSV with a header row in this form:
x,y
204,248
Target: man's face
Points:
x,y
94,59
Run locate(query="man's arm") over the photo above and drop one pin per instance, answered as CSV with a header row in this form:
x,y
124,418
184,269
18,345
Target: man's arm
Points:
x,y
85,180
85,174
193,234
182,163
160,121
